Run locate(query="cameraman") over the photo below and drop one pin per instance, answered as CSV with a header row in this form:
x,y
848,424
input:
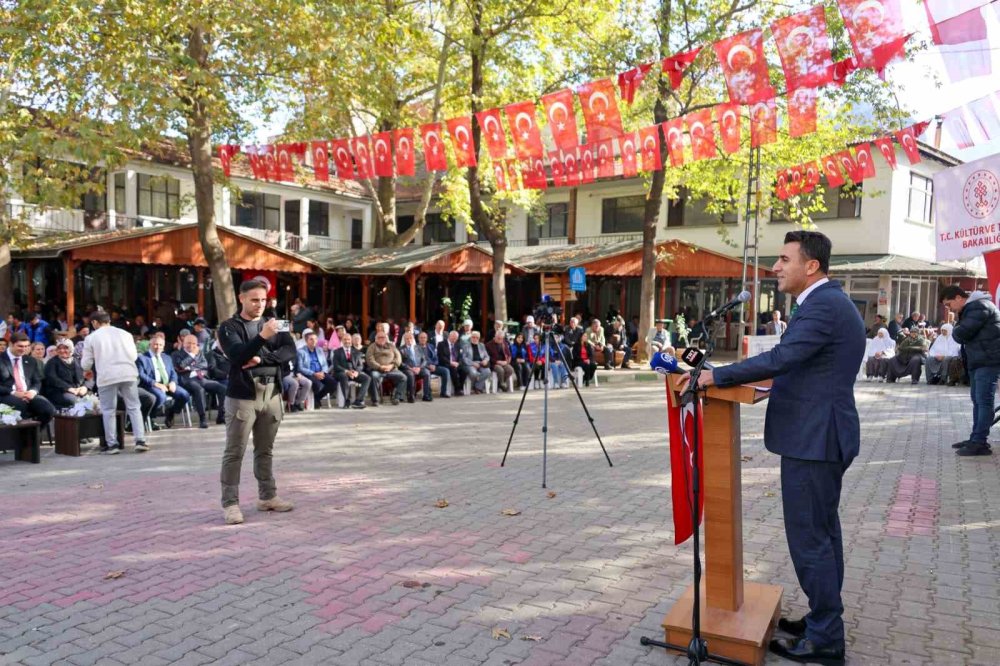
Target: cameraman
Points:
x,y
256,351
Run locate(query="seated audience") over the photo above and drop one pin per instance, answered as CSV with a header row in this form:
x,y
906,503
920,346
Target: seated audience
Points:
x,y
881,349
476,362
595,336
313,364
583,357
63,383
909,358
440,334
383,361
658,339
450,356
358,347
348,366
194,371
414,366
295,386
158,376
500,358
38,352
435,368
619,342
21,381
943,353
520,356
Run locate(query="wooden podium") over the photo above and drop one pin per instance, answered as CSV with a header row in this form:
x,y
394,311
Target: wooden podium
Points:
x,y
737,617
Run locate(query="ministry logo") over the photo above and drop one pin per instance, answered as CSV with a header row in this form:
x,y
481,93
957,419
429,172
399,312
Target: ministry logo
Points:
x,y
981,194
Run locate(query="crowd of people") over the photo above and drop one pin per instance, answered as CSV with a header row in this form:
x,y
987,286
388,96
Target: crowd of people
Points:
x,y
908,348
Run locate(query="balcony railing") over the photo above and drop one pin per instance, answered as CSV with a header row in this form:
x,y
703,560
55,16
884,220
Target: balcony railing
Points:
x,y
46,221
603,239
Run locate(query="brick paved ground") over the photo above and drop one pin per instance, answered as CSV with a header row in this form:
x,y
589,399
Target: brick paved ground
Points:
x,y
367,570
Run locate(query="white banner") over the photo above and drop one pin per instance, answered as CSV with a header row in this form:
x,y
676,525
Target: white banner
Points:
x,y
762,343
967,209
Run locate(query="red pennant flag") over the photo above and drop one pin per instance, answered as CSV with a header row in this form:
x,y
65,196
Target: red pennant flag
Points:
x,y
321,165
763,123
513,175
674,134
699,126
226,152
284,170
781,185
795,180
460,131
802,112
831,169
600,111
675,65
887,53
500,176
804,46
492,133
842,69
434,156
871,25
571,168
533,173
810,177
649,141
627,145
562,120
587,164
341,151
382,154
362,150
850,165
958,130
863,155
256,156
605,153
745,67
907,138
728,117
403,141
524,130
681,420
629,82
556,166
888,150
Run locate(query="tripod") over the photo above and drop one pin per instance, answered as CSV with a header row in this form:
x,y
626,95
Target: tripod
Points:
x,y
550,341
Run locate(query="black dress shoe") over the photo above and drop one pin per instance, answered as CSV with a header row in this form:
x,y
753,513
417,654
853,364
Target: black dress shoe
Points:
x,y
975,449
793,627
804,651
958,445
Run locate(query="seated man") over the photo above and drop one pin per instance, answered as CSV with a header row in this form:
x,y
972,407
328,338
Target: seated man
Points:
x,y
500,359
63,383
433,367
414,366
476,362
450,356
619,343
595,336
909,359
194,372
358,347
658,339
313,364
294,385
157,375
348,364
383,361
21,381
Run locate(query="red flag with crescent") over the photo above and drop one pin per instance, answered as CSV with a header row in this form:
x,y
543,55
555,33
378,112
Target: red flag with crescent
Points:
x,y
513,174
681,424
629,81
794,180
460,131
434,156
627,148
872,26
863,156
831,169
888,150
500,176
382,154
907,138
533,173
763,123
284,170
649,144
571,167
850,165
561,118
600,111
802,112
804,47
341,151
321,164
810,174
605,154
226,153
362,149
673,132
699,126
256,158
403,142
587,163
524,130
728,117
556,166
675,65
745,67
492,133
781,184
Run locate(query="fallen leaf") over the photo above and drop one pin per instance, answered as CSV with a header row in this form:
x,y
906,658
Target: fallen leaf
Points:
x,y
510,512
96,486
441,503
531,638
746,458
113,575
768,494
500,632
551,494
412,584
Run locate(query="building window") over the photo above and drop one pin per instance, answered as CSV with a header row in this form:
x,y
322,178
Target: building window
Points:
x,y
357,234
319,218
622,215
159,196
552,224
120,180
841,203
292,208
258,211
686,211
920,208
438,229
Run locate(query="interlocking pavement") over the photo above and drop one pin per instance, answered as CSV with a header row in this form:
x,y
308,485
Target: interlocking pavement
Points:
x,y
368,570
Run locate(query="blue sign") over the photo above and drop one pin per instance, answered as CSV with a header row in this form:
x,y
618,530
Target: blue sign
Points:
x,y
578,278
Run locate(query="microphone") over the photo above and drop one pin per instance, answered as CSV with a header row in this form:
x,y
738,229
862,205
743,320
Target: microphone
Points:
x,y
665,364
693,356
742,298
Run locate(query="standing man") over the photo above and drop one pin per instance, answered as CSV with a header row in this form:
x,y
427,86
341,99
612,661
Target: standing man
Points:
x,y
776,326
978,330
812,423
111,353
256,352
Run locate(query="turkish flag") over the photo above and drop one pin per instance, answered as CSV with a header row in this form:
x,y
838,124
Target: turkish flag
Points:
x,y
600,111
561,118
871,25
341,151
361,147
781,185
673,132
627,148
571,167
795,180
587,164
728,117
269,278
958,130
492,133
403,141
887,53
256,162
382,154
649,143
513,175
699,126
675,65
802,112
284,169
804,47
863,156
992,259
524,130
321,165
745,67
434,156
500,176
888,150
763,123
226,153
681,424
558,173
842,69
268,160
907,138
605,153
629,82
811,174
460,131
533,173
850,165
831,169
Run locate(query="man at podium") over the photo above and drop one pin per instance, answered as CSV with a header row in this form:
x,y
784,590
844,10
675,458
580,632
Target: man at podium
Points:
x,y
812,423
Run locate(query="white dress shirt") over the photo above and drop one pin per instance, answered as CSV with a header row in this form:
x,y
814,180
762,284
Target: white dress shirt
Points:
x,y
810,289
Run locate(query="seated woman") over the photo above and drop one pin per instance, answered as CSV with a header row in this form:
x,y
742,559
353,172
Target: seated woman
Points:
x,y
881,349
560,373
943,352
909,359
520,355
583,357
63,381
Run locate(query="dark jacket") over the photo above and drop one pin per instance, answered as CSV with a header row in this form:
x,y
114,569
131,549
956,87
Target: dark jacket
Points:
x,y
342,364
273,353
218,365
978,331
444,355
185,365
811,413
30,367
60,377
498,352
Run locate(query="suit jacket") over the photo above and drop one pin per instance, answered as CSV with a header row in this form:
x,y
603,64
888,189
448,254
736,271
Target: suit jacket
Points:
x,y
185,364
466,354
416,359
430,353
305,361
341,363
30,368
811,413
147,372
498,352
444,354
776,328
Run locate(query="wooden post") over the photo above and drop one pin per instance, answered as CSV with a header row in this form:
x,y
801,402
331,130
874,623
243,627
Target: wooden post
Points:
x,y
69,268
571,218
201,291
411,278
621,299
562,296
29,271
303,286
483,296
663,298
365,299
324,301
152,275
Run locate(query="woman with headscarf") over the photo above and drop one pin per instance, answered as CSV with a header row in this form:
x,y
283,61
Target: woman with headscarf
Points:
x,y
943,352
881,349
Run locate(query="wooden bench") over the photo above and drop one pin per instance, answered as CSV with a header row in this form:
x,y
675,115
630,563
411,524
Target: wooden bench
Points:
x,y
71,429
24,438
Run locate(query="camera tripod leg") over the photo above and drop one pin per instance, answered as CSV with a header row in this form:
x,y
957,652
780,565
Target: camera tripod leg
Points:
x,y
584,405
517,417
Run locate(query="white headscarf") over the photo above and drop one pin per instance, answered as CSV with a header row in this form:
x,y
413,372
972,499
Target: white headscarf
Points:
x,y
883,343
945,345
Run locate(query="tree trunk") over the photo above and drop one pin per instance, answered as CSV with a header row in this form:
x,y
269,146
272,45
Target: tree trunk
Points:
x,y
199,133
6,280
654,199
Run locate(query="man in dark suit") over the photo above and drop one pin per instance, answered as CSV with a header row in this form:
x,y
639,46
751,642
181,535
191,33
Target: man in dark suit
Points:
x,y
348,366
414,366
157,375
450,356
21,381
194,371
435,368
812,423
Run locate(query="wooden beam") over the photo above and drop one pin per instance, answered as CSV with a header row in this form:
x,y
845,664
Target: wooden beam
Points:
x,y
201,291
483,296
662,306
621,297
69,268
571,218
303,286
411,278
324,301
365,299
152,275
562,297
29,274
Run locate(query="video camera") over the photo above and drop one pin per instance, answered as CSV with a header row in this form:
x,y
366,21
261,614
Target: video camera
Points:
x,y
547,313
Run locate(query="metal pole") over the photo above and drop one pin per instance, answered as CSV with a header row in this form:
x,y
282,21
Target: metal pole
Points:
x,y
752,209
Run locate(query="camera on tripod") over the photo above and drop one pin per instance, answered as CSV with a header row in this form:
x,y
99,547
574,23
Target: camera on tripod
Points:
x,y
547,313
